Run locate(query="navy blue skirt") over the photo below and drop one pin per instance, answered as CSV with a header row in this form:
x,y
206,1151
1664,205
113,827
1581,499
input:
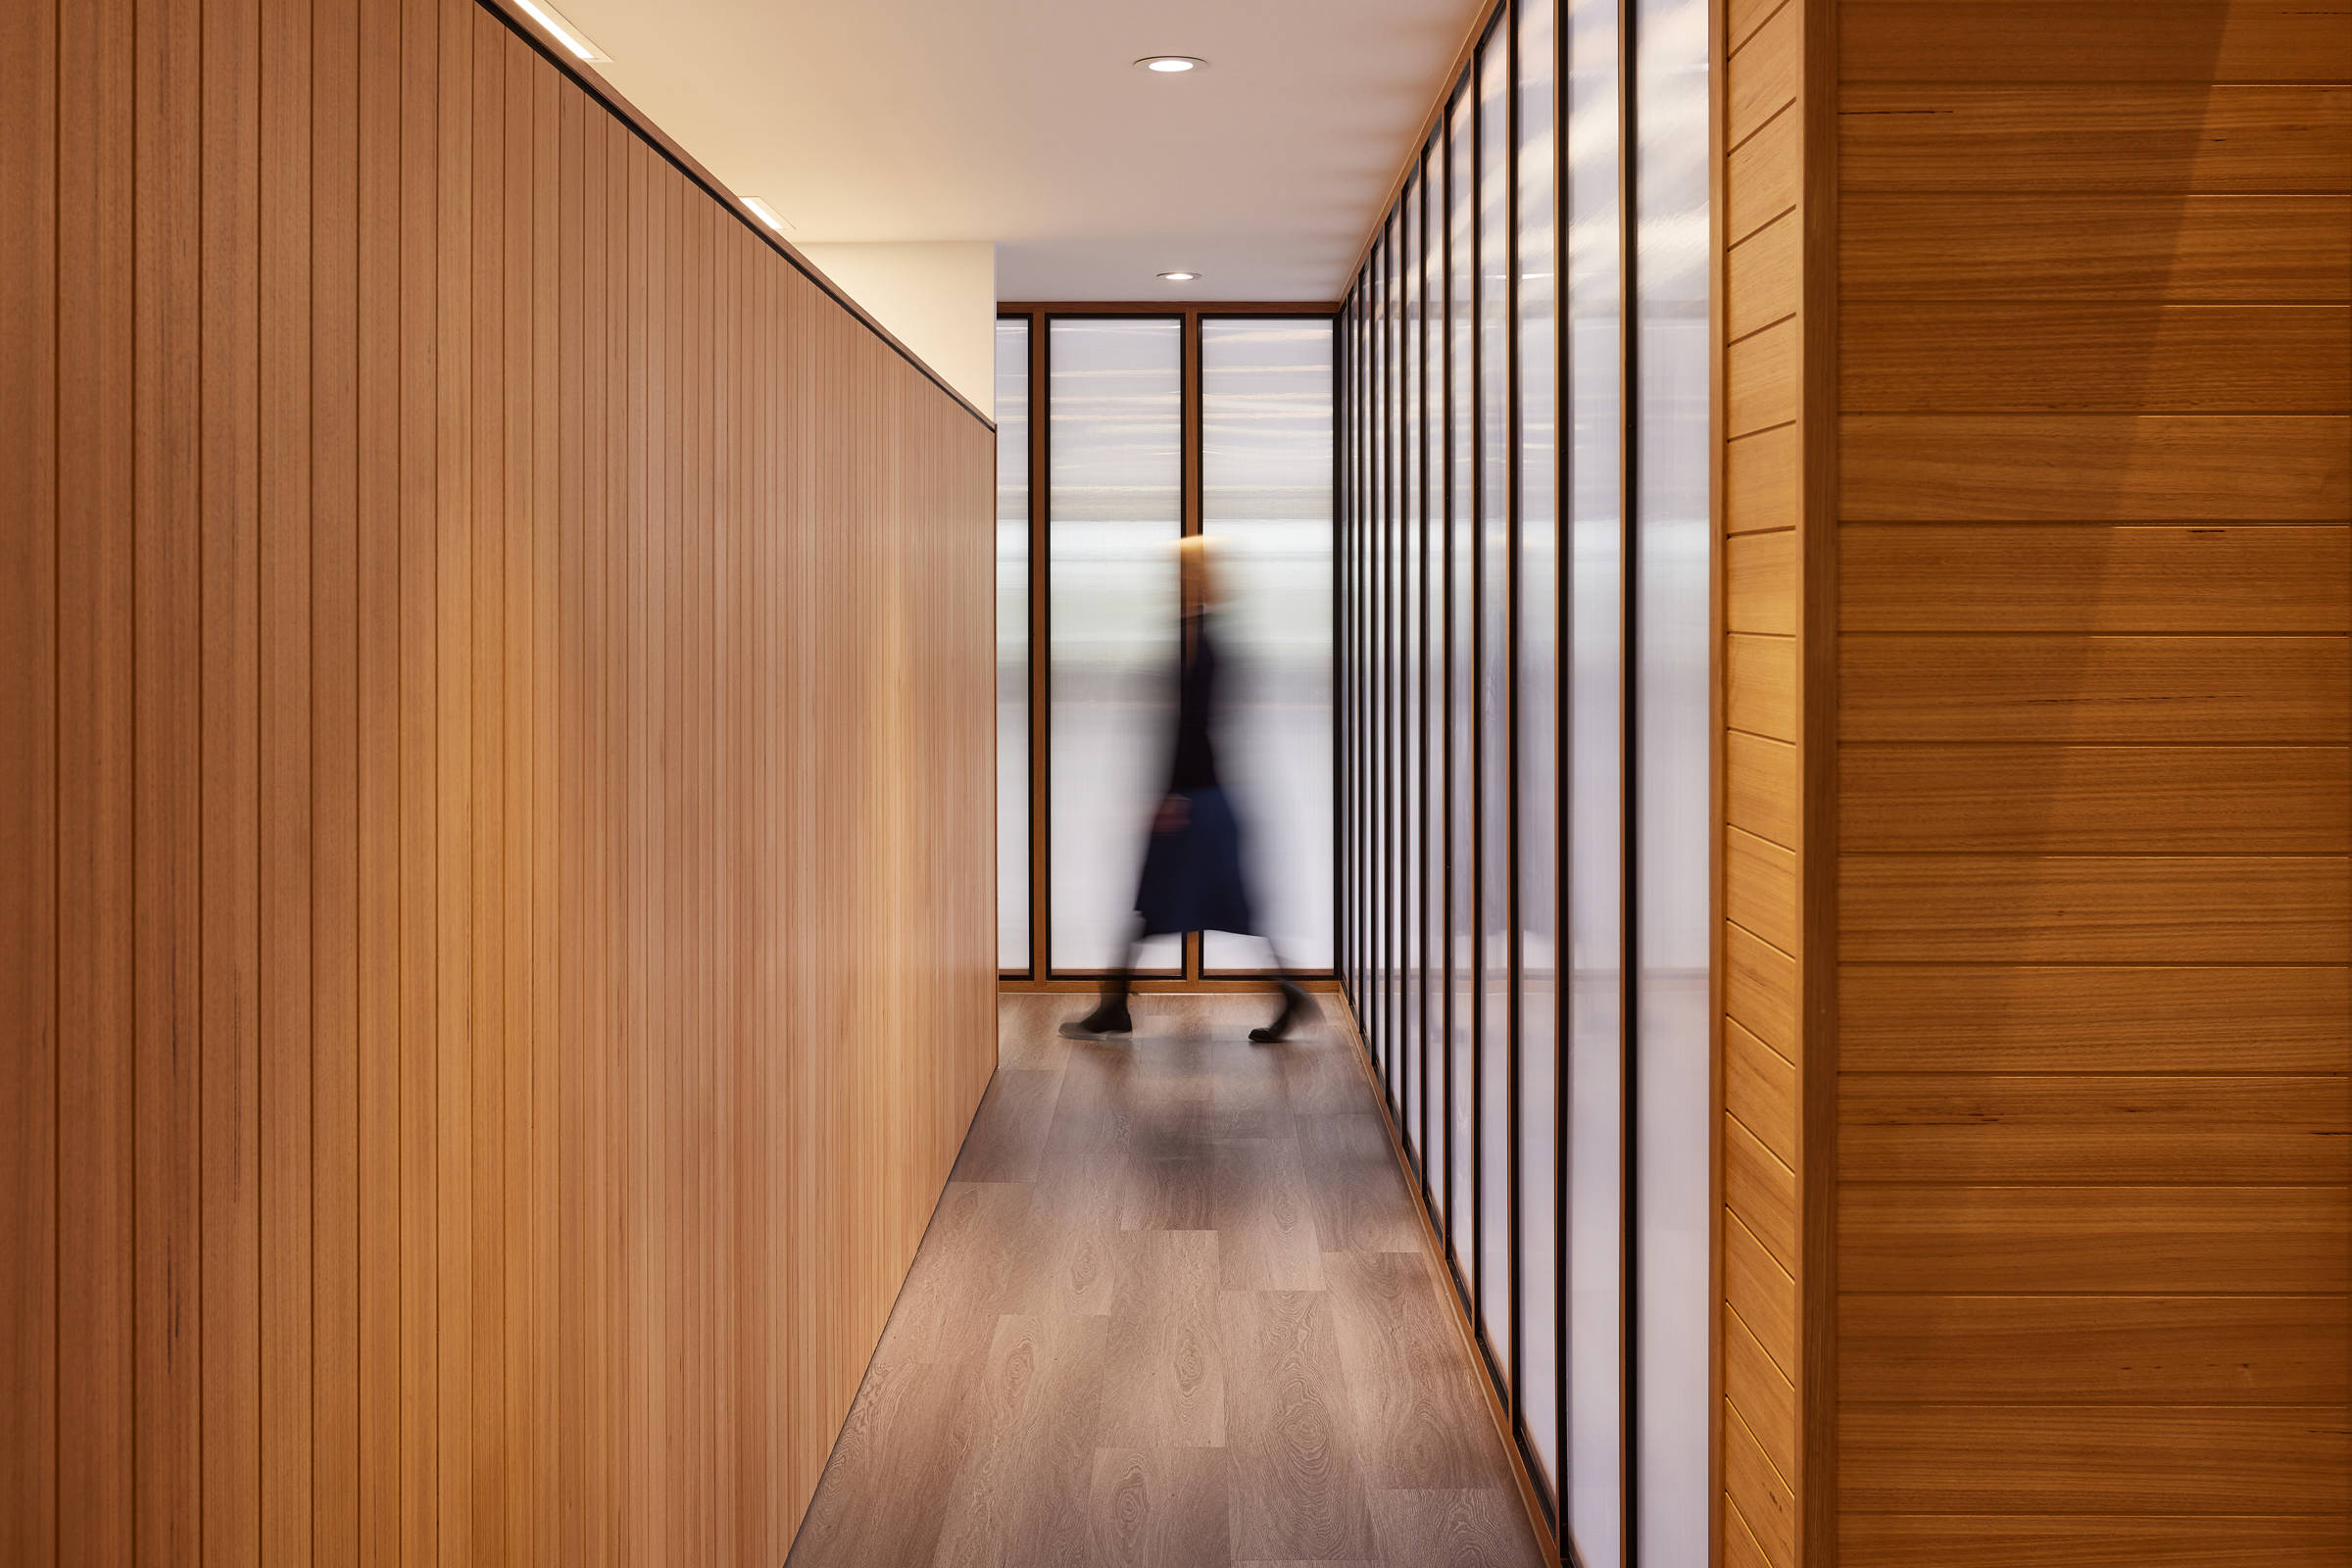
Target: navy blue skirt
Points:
x,y
1193,874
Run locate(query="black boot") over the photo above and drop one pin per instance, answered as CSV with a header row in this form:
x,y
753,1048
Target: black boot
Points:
x,y
1109,1017
1296,1005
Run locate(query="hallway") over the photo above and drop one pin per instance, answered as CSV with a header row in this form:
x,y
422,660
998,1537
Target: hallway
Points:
x,y
1174,1309
600,600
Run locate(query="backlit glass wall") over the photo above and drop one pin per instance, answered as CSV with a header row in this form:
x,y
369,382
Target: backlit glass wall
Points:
x,y
1592,482
1524,763
1265,506
1153,427
1012,645
1114,411
1670,403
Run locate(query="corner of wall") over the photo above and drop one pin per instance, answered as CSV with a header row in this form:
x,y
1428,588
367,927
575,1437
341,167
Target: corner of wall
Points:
x,y
937,297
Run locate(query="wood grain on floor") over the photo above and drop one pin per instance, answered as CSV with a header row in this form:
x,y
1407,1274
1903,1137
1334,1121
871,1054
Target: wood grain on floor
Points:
x,y
1174,1311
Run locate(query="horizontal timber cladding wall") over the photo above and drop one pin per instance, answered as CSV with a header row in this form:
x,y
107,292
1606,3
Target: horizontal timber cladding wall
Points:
x,y
491,995
2094,584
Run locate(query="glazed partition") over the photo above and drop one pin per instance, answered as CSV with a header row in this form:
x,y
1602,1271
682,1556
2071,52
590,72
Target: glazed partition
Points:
x,y
1523,572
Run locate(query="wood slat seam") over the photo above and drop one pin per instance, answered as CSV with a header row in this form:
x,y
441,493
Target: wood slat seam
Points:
x,y
1766,123
1764,941
1792,1177
1761,23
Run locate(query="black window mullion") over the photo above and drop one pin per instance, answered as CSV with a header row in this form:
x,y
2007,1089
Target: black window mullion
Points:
x,y
1478,720
1629,505
1564,683
1516,972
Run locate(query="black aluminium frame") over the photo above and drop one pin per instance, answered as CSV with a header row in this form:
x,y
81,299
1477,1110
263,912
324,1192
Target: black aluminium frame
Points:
x,y
1628,504
1039,322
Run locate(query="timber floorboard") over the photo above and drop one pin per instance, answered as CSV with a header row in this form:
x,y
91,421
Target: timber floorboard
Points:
x,y
1173,1309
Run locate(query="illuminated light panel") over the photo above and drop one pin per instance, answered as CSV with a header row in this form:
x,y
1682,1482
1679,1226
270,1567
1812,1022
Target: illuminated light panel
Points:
x,y
562,31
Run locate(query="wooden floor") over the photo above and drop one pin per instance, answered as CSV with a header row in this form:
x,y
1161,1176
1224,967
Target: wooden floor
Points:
x,y
1174,1309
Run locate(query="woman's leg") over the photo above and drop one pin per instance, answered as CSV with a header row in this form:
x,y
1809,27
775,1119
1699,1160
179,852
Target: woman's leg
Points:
x,y
1296,1005
1109,1017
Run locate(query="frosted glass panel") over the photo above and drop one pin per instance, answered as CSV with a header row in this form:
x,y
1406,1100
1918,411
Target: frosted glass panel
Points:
x,y
1595,1229
1494,690
1114,511
1378,867
1537,697
1409,467
1358,704
1530,520
1437,978
1265,499
1386,649
1461,674
1012,645
1344,645
1671,537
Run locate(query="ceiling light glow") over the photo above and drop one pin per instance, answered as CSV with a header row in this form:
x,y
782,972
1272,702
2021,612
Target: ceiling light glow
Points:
x,y
1170,64
765,214
1179,277
562,31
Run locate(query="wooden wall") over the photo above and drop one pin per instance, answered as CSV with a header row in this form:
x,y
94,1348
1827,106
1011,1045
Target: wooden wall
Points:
x,y
1772,974
2056,616
495,928
2094,560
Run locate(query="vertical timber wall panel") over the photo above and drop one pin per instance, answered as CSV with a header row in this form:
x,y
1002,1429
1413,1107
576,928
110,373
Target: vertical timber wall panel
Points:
x,y
493,991
2094,361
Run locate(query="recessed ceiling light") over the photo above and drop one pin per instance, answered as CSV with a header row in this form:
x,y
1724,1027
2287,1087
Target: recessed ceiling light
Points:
x,y
765,214
1179,277
1169,65
565,33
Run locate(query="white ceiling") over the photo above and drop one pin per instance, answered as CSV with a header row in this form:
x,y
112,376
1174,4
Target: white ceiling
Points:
x,y
1023,122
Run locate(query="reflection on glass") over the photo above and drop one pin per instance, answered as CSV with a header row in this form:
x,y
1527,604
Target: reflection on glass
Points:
x,y
1537,696
1012,645
1114,518
1265,498
1671,537
1461,674
1595,821
1494,690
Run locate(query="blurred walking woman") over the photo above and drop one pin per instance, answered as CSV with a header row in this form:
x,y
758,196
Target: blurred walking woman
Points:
x,y
1193,878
